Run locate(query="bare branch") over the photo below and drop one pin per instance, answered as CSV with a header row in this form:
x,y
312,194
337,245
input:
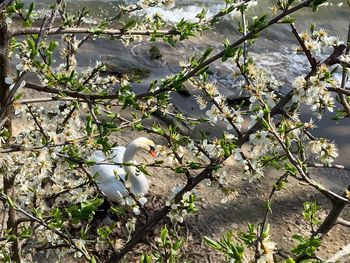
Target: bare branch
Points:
x,y
40,100
81,30
343,98
333,216
343,222
333,166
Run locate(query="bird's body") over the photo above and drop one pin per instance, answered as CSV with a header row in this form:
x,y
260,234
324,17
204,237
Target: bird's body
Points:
x,y
109,171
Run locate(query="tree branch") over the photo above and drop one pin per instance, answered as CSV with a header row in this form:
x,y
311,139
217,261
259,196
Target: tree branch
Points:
x,y
333,216
81,30
343,222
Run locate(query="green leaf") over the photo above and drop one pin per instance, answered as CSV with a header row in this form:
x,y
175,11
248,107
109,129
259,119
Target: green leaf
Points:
x,y
287,20
84,211
249,237
104,231
53,45
230,52
310,212
213,244
290,169
306,246
206,54
129,25
194,165
269,206
202,14
258,23
164,234
146,258
157,129
289,260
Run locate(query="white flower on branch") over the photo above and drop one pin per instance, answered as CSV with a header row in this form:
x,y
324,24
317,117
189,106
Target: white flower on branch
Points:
x,y
254,118
211,90
237,155
143,200
213,114
136,210
20,67
325,151
8,80
268,250
259,138
202,103
213,149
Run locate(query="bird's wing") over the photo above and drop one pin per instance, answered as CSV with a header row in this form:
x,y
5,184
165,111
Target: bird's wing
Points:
x,y
118,154
107,170
97,156
107,181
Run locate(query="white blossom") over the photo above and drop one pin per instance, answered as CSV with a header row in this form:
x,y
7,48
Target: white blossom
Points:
x,y
259,138
9,80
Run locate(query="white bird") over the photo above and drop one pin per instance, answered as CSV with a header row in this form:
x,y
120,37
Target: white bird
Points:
x,y
107,180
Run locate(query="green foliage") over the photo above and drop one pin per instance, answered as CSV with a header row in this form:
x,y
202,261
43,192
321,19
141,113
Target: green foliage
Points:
x,y
310,213
258,23
27,14
248,237
146,258
233,252
288,168
306,246
104,231
130,24
230,51
84,211
169,245
127,96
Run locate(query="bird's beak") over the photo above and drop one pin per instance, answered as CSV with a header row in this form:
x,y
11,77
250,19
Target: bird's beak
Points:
x,y
153,152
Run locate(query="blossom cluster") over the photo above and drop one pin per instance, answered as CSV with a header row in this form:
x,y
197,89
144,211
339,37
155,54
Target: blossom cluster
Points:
x,y
318,40
182,209
324,150
314,92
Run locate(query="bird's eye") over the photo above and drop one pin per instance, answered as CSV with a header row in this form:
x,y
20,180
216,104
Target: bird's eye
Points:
x,y
151,148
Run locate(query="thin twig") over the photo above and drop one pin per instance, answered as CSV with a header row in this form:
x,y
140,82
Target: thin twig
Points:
x,y
305,177
343,98
311,59
267,212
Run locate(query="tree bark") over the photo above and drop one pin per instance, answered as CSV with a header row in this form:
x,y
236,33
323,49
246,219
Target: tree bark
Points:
x,y
4,72
8,178
333,215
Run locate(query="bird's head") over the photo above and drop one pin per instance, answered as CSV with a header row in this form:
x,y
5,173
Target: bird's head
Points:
x,y
147,144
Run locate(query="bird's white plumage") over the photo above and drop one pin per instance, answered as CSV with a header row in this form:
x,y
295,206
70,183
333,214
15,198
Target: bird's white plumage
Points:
x,y
113,188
